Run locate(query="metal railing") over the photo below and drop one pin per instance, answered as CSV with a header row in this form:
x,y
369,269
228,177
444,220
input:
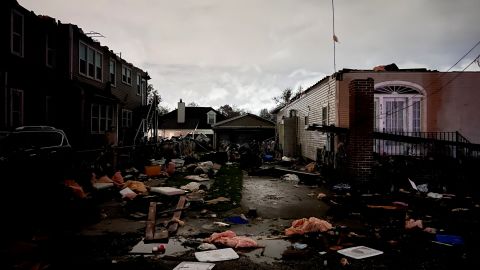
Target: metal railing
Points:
x,y
425,144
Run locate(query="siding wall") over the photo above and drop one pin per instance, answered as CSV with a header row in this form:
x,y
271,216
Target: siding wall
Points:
x,y
321,95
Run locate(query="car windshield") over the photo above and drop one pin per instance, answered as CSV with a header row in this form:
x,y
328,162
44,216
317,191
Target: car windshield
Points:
x,y
26,140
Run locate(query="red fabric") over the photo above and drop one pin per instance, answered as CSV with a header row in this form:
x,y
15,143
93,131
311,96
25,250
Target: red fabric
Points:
x,y
304,225
230,239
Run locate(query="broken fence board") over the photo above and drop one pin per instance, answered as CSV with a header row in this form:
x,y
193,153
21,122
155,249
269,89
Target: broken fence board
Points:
x,y
150,228
177,214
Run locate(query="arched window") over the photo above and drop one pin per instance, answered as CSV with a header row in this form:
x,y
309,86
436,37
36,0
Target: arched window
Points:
x,y
398,108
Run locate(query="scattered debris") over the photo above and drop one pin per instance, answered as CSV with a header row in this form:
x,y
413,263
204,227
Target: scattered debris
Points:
x,y
412,224
172,228
221,224
344,262
299,246
434,195
206,246
192,186
136,186
321,195
360,252
304,225
237,220
169,191
76,188
217,255
230,239
342,187
452,240
198,178
217,200
194,266
127,193
153,170
290,178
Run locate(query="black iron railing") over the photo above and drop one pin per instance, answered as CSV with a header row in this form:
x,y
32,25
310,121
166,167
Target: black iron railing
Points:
x,y
425,144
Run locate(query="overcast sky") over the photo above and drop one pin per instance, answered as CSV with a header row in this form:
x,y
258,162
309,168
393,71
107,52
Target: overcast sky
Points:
x,y
245,52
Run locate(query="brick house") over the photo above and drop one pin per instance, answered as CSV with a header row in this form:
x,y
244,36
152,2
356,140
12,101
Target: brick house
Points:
x,y
54,74
404,100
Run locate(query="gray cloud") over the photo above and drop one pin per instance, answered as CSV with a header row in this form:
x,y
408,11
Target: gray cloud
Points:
x,y
245,52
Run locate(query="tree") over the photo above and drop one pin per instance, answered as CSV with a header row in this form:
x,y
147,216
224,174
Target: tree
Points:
x,y
264,113
229,111
284,97
192,104
151,93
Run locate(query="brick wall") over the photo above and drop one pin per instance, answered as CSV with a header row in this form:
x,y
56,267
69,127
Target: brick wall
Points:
x,y
360,138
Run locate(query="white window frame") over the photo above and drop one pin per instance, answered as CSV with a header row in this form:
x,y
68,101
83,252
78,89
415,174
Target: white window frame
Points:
x,y
325,115
407,111
139,83
114,81
127,117
49,51
20,35
211,115
104,114
127,73
90,60
20,110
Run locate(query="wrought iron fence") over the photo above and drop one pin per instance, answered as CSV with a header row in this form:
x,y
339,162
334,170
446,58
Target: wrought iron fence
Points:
x,y
425,144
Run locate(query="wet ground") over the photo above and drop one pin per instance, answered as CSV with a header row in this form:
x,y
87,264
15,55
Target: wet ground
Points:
x,y
115,241
275,198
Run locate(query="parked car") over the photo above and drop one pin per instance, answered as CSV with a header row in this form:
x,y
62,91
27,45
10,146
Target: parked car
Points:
x,y
32,143
34,161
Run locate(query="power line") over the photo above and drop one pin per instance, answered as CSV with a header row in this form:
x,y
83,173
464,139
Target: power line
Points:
x,y
444,74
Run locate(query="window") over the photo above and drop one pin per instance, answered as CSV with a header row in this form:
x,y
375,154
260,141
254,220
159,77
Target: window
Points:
x,y
101,118
113,68
90,61
50,51
98,66
16,108
325,115
398,108
126,118
394,115
127,75
416,115
139,81
16,39
211,117
82,51
144,91
293,113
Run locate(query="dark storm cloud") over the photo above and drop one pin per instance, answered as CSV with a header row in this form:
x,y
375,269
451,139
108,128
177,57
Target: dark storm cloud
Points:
x,y
245,52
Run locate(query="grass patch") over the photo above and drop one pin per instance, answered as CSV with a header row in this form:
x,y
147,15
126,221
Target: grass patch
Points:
x,y
228,183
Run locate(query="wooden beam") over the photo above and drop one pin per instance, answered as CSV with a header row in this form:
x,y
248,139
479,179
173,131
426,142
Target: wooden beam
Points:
x,y
151,218
177,214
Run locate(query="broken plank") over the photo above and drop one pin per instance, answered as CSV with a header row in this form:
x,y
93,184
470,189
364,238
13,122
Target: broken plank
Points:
x,y
150,228
177,214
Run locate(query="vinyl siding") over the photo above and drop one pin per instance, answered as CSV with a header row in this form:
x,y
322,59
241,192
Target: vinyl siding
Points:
x,y
318,97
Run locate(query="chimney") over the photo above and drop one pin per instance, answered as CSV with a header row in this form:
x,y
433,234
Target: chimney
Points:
x,y
181,112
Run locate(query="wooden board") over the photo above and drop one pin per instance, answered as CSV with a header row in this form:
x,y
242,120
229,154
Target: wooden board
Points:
x,y
151,218
181,203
